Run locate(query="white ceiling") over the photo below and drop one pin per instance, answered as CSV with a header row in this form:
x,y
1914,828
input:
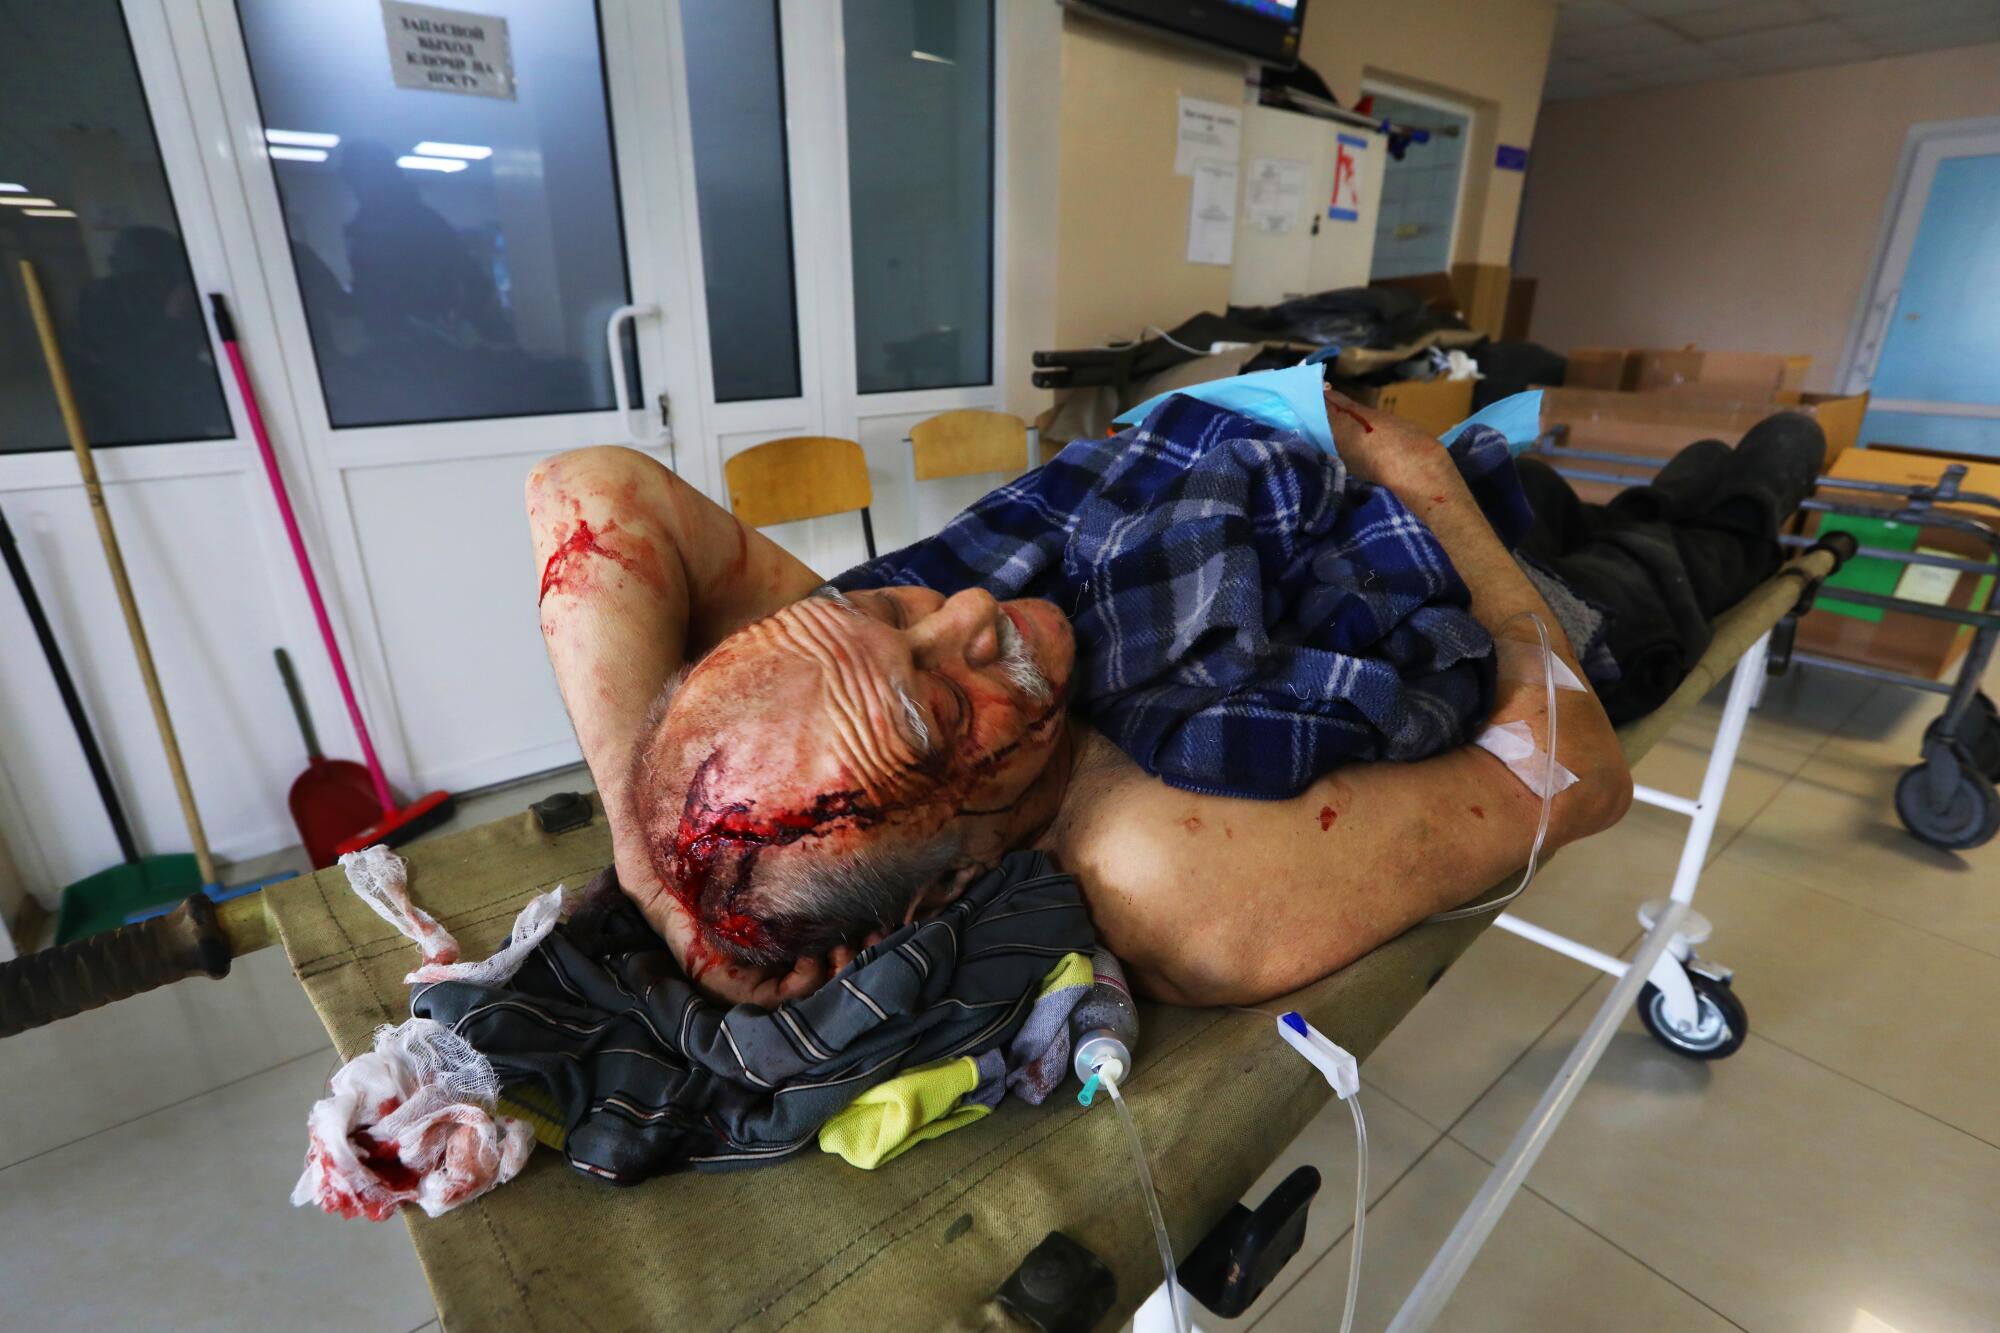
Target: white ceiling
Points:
x,y
1617,46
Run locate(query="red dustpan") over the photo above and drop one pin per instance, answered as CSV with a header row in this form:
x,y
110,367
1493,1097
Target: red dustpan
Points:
x,y
334,799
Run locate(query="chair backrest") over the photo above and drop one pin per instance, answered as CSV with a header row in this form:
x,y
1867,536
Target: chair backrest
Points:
x,y
801,476
958,444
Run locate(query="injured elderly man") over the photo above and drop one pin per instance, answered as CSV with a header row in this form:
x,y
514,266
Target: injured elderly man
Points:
x,y
1226,678
1235,695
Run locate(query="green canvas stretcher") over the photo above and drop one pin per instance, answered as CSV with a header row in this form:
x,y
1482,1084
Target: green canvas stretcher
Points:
x,y
926,1241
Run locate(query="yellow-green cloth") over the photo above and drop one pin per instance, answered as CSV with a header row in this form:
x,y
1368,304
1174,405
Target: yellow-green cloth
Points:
x,y
891,1118
1072,969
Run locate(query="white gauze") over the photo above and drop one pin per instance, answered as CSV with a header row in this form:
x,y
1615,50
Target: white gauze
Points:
x,y
531,927
411,1121
1513,744
381,879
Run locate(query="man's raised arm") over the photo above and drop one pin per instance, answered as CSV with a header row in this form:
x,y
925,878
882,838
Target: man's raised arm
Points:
x,y
639,575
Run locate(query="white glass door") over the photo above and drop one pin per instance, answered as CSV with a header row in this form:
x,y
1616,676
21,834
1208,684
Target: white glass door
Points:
x,y
470,228
497,231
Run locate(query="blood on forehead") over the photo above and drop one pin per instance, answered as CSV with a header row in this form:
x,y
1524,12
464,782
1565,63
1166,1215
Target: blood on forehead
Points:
x,y
708,859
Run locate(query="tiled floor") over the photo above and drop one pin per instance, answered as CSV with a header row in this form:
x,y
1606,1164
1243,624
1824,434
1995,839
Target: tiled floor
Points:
x,y
1840,1172
147,1149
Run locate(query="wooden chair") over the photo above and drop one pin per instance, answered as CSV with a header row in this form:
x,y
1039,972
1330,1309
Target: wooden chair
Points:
x,y
958,444
967,443
801,476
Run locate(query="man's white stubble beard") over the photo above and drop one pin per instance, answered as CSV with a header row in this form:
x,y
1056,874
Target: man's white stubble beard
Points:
x,y
1017,663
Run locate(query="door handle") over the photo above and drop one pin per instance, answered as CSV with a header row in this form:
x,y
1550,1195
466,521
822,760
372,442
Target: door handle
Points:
x,y
1875,335
620,391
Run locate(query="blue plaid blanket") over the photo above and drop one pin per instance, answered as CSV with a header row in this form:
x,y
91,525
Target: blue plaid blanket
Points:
x,y
1248,616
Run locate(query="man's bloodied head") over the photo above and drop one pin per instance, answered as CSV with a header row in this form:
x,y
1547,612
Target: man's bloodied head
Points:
x,y
838,767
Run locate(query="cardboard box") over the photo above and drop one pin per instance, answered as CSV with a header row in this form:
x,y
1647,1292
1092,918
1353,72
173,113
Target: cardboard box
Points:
x,y
1755,377
1899,640
1482,296
1791,385
1435,405
1610,368
1751,376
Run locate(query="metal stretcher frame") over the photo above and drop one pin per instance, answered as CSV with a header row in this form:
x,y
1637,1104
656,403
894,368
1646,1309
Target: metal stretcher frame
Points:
x,y
1941,798
814,1243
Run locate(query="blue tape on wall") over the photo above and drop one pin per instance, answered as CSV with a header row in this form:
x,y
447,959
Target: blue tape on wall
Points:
x,y
1510,158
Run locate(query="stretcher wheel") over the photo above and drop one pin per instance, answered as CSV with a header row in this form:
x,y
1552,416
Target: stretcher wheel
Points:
x,y
1720,1023
1980,735
1969,816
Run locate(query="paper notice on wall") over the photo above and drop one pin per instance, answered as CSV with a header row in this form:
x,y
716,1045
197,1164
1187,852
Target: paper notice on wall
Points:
x,y
448,50
1206,132
1274,193
1212,214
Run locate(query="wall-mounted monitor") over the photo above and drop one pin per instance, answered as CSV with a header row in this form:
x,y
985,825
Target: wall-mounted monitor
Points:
x,y
1266,31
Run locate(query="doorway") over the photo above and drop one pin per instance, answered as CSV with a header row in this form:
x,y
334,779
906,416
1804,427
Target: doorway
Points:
x,y
1923,343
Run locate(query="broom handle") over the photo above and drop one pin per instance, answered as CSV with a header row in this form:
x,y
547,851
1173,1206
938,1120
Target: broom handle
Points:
x,y
73,422
225,329
31,602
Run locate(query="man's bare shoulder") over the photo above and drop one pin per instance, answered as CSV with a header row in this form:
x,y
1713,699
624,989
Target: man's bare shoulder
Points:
x,y
1115,831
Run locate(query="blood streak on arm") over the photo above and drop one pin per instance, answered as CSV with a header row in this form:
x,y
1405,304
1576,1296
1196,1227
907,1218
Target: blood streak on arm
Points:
x,y
1346,411
567,570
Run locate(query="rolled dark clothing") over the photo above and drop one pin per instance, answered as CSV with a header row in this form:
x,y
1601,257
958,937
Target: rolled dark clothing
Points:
x,y
1663,561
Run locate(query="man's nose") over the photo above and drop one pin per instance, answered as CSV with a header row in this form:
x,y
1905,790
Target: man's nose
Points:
x,y
963,626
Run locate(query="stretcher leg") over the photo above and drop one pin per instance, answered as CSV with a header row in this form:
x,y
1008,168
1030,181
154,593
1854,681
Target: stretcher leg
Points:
x,y
1685,1002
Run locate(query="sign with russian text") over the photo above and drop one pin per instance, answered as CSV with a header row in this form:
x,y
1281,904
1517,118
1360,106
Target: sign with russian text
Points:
x,y
448,50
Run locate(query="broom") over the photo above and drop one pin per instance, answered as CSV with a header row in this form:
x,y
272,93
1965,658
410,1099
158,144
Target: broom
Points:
x,y
45,329
398,823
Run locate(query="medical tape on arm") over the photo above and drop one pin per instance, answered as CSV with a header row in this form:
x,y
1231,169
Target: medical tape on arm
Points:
x,y
1520,660
1513,744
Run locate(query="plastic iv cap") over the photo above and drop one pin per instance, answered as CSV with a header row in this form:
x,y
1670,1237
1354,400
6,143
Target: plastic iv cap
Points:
x,y
1342,1071
1100,1050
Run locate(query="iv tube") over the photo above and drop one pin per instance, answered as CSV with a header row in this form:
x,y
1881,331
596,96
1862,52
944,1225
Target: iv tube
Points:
x,y
1548,785
1174,1304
